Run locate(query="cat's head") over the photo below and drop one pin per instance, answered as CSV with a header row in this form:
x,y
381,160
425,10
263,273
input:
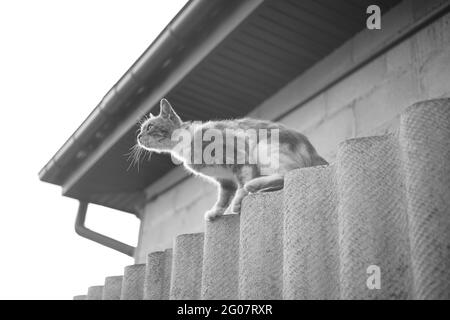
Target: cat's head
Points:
x,y
156,132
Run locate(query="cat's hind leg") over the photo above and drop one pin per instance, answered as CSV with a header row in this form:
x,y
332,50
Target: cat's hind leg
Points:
x,y
237,200
226,190
265,183
243,174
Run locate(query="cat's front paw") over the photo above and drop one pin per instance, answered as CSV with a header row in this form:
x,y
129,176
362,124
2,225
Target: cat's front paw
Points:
x,y
214,213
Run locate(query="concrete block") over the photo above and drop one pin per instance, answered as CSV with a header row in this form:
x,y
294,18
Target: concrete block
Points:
x,y
311,247
335,129
187,267
389,127
355,85
157,275
80,297
307,116
197,208
435,75
157,208
95,293
133,282
425,143
400,57
190,190
386,102
158,232
221,259
261,247
112,288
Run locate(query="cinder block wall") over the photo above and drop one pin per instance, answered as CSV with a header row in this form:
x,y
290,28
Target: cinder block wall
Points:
x,y
367,102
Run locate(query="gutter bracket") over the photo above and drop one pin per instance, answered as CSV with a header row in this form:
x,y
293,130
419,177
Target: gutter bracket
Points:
x,y
87,233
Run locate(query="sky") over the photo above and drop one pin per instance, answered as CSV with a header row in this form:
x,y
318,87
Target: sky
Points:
x,y
57,60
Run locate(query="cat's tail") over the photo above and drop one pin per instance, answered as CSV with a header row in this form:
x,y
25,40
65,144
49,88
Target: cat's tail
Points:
x,y
318,161
308,156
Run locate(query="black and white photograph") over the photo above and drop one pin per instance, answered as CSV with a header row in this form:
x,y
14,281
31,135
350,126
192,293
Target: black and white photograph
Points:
x,y
228,155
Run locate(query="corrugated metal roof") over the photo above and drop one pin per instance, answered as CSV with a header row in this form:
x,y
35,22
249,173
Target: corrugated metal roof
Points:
x,y
276,43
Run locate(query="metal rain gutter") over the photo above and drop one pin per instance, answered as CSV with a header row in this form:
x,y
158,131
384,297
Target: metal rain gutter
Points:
x,y
84,232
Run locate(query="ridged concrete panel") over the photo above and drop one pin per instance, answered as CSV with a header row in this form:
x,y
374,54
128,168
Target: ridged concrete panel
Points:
x,y
157,275
311,248
187,267
425,141
80,297
372,219
133,282
221,259
112,288
95,293
261,247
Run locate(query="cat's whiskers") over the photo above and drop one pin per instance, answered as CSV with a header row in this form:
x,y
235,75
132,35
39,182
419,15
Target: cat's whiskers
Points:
x,y
134,156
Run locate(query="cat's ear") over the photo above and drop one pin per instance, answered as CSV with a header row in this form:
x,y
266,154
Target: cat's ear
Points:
x,y
165,109
167,112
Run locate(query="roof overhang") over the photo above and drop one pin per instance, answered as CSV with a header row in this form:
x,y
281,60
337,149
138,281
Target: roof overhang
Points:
x,y
215,59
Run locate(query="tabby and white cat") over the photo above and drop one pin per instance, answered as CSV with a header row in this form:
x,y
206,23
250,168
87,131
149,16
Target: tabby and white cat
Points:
x,y
235,180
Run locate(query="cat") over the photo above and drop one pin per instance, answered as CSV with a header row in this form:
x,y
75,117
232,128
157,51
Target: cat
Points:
x,y
235,179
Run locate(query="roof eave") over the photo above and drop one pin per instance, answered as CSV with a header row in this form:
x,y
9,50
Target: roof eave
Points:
x,y
157,54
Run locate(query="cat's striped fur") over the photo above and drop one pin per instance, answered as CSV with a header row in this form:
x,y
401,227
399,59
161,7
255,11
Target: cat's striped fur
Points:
x,y
234,180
